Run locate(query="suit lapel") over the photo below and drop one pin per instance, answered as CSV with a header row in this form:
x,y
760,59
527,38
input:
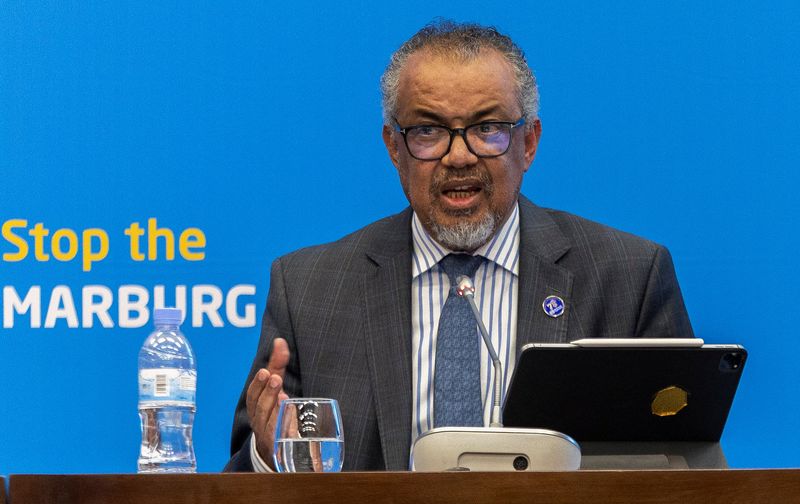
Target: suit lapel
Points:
x,y
387,314
541,245
387,333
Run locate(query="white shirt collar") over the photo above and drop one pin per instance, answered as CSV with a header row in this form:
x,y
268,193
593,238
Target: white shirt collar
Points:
x,y
502,249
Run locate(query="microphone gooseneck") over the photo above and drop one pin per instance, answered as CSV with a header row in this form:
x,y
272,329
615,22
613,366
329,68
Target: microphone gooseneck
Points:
x,y
466,289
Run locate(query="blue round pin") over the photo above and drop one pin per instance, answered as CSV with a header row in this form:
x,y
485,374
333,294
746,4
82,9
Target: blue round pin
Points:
x,y
553,306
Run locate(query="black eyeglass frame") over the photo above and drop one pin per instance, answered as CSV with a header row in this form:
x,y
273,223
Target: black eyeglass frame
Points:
x,y
462,132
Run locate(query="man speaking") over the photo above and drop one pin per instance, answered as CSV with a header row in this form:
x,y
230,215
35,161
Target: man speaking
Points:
x,y
372,319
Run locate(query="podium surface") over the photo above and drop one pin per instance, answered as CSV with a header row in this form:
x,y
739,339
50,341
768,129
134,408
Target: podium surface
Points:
x,y
676,486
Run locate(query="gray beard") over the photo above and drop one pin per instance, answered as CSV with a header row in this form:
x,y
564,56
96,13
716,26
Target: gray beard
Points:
x,y
465,236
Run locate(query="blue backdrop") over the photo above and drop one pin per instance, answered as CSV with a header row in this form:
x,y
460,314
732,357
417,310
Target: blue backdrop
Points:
x,y
256,127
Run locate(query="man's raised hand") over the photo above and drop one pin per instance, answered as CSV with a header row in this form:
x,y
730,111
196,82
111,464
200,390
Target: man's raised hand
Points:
x,y
263,399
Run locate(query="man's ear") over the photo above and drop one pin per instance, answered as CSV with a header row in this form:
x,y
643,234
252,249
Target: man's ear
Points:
x,y
532,135
391,144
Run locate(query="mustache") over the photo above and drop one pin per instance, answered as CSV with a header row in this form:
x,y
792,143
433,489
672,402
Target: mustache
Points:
x,y
470,176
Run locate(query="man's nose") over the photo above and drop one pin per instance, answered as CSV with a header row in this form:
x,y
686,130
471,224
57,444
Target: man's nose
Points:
x,y
459,155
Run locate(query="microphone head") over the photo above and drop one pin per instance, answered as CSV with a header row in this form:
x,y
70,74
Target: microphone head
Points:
x,y
464,286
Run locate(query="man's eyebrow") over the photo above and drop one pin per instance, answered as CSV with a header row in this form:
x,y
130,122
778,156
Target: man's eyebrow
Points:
x,y
429,115
486,111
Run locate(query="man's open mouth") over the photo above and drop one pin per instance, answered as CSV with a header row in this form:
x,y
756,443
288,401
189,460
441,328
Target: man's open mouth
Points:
x,y
461,192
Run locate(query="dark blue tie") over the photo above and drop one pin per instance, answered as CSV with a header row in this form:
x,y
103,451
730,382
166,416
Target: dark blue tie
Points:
x,y
457,379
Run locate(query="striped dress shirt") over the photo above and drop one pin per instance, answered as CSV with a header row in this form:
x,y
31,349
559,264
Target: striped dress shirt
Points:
x,y
496,296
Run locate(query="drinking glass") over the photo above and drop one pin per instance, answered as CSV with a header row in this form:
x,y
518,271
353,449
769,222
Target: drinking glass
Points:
x,y
308,437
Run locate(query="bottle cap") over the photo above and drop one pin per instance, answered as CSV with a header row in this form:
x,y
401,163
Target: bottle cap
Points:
x,y
170,316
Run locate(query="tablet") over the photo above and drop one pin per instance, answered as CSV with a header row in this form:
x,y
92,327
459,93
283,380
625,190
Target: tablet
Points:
x,y
625,392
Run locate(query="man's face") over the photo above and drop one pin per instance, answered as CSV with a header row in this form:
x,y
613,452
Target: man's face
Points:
x,y
460,193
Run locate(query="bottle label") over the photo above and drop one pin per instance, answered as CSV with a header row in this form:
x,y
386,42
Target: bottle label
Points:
x,y
167,385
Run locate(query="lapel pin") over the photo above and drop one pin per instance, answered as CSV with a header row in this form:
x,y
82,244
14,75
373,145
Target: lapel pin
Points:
x,y
553,306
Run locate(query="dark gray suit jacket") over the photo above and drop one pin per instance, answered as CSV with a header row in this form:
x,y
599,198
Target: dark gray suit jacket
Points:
x,y
344,308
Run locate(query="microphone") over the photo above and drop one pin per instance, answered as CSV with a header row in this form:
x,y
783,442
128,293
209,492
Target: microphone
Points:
x,y
493,448
466,289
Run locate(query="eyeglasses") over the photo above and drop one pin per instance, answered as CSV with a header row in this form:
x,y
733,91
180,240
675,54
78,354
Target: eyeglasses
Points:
x,y
485,140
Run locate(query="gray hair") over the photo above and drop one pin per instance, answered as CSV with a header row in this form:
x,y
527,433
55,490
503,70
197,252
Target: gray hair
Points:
x,y
466,41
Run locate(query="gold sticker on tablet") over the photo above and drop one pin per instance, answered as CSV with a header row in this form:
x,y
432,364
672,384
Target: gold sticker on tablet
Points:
x,y
669,401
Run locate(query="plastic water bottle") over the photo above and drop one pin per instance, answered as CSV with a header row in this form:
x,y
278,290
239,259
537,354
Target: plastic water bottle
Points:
x,y
167,384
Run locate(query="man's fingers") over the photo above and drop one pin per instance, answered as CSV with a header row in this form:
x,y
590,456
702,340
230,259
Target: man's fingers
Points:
x,y
254,390
262,397
264,420
267,401
279,358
